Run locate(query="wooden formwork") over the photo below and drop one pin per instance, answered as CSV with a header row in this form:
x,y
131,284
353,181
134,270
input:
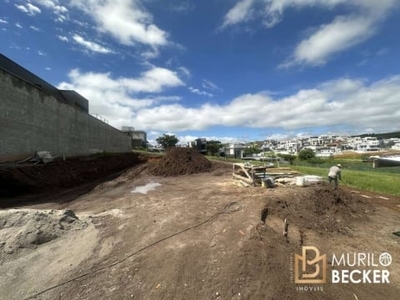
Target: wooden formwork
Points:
x,y
248,173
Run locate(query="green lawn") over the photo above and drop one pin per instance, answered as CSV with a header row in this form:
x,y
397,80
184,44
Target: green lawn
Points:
x,y
235,160
386,183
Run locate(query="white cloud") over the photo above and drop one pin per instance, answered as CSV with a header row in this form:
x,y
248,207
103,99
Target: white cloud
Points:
x,y
208,85
19,25
59,10
199,92
92,46
383,52
278,136
241,12
271,11
29,9
153,81
34,28
341,34
342,87
184,6
151,53
126,20
274,9
331,38
33,9
41,53
116,99
3,21
166,98
344,102
185,71
62,38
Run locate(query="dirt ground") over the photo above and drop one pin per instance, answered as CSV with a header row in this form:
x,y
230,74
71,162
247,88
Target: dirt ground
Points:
x,y
198,236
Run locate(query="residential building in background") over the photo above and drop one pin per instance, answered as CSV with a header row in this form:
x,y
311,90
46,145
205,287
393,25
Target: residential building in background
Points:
x,y
138,137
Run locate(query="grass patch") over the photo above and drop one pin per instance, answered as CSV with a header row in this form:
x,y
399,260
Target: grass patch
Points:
x,y
235,160
347,164
386,183
147,152
222,158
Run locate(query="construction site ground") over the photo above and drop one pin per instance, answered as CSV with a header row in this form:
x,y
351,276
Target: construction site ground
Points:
x,y
196,236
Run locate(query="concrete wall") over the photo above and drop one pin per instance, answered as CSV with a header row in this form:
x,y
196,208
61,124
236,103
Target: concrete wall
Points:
x,y
32,120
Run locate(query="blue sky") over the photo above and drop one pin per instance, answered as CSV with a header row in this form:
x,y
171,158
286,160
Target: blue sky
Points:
x,y
233,70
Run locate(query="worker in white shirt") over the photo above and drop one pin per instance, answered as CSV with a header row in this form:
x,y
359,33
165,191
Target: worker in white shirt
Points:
x,y
335,174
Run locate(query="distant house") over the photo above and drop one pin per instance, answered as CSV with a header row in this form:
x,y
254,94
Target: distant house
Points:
x,y
325,152
316,141
365,144
139,137
368,144
235,150
199,145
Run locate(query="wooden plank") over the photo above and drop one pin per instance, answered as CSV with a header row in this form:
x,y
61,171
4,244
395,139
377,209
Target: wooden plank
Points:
x,y
243,178
245,184
243,170
247,173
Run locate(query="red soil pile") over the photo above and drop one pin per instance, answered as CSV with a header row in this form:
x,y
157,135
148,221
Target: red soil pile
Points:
x,y
322,208
180,161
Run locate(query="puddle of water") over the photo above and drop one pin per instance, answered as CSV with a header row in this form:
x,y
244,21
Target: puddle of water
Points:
x,y
145,188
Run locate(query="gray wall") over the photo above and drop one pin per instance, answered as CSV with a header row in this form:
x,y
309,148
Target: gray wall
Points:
x,y
32,120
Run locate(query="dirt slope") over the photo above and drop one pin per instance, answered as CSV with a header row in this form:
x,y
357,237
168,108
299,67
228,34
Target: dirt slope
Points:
x,y
201,237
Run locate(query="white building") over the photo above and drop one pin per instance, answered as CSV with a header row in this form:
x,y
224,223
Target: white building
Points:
x,y
288,147
368,144
235,150
328,152
316,141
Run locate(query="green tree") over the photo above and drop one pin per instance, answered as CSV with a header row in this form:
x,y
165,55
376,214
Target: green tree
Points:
x,y
288,157
306,154
317,161
167,141
251,150
213,147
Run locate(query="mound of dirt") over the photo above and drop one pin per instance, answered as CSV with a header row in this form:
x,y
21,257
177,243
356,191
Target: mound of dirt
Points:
x,y
29,228
321,207
180,161
264,268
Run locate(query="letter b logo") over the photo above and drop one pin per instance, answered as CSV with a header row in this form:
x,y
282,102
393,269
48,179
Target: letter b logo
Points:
x,y
310,267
